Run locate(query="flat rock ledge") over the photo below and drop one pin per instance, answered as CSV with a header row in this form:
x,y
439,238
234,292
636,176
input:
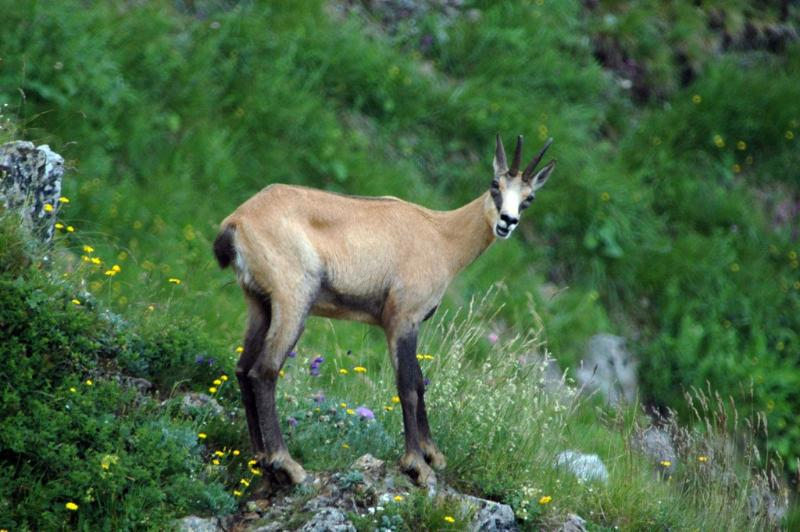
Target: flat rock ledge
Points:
x,y
365,490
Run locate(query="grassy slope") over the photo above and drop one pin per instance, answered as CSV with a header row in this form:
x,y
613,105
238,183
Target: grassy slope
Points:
x,y
205,115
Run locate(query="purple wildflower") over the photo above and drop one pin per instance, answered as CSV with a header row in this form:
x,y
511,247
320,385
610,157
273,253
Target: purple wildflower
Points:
x,y
314,367
365,413
200,359
319,398
492,337
426,381
292,421
210,361
292,354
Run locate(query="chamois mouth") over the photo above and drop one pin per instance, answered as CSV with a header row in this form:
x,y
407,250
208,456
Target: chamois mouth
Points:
x,y
502,232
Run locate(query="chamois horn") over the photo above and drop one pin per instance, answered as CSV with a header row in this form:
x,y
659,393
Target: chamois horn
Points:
x,y
528,173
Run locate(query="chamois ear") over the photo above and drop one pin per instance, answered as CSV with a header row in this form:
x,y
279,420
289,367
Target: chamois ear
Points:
x,y
541,176
499,162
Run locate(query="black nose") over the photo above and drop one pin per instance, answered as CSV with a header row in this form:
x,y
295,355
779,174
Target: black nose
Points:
x,y
510,220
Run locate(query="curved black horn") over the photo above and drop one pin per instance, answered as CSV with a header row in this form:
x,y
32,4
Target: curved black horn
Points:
x,y
500,154
528,173
517,157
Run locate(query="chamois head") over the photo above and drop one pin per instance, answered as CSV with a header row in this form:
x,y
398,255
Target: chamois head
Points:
x,y
512,191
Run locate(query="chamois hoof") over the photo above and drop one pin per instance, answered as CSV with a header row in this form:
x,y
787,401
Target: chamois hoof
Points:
x,y
286,470
434,456
414,465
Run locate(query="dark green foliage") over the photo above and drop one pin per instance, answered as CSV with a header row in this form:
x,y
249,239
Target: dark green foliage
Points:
x,y
68,434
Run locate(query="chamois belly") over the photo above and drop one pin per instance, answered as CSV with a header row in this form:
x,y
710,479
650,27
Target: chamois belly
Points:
x,y
332,304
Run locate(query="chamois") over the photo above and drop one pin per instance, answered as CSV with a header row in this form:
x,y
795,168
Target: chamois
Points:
x,y
298,251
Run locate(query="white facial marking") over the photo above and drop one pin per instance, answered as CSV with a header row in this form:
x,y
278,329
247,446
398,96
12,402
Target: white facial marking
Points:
x,y
512,197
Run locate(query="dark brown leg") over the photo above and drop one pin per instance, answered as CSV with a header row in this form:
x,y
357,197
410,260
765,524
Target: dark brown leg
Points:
x,y
263,375
258,324
409,388
432,454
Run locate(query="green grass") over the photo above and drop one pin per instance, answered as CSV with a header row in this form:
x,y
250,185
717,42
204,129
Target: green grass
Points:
x,y
660,222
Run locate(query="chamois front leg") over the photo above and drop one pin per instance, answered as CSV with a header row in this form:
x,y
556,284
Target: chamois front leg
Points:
x,y
281,338
432,453
403,344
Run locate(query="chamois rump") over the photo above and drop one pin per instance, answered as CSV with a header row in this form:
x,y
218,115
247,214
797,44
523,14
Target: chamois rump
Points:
x,y
298,251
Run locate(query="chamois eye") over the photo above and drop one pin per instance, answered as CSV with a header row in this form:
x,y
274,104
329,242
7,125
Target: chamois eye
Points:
x,y
495,184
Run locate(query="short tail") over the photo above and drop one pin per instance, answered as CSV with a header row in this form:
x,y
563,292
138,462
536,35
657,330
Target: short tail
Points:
x,y
223,247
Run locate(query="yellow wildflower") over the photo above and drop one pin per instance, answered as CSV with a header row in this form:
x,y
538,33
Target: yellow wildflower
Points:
x,y
70,229
89,382
110,273
48,207
217,382
741,145
72,389
116,268
96,260
213,389
388,408
244,482
398,498
343,371
428,357
281,373
71,506
215,461
219,453
449,519
255,471
696,98
88,249
605,196
665,463
63,199
251,463
350,411
76,301
174,280
59,225
702,458
240,349
360,369
202,435
223,378
420,356
343,405
237,493
546,499
151,308
345,446
719,142
236,452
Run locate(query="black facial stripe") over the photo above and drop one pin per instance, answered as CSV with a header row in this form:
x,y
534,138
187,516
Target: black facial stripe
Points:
x,y
497,197
526,203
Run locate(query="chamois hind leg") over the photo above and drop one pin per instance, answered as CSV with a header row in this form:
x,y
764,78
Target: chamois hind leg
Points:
x,y
258,318
403,346
284,331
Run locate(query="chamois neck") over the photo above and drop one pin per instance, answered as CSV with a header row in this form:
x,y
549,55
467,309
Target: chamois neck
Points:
x,y
466,232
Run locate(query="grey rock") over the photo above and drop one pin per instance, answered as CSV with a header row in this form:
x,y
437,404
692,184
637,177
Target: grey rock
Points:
x,y
30,178
586,467
193,523
198,401
494,517
329,520
574,523
370,466
656,445
609,368
768,505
